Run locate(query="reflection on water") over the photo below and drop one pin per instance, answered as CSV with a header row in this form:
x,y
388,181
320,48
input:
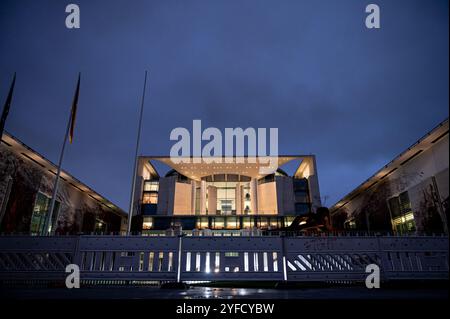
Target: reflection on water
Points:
x,y
315,293
224,293
220,293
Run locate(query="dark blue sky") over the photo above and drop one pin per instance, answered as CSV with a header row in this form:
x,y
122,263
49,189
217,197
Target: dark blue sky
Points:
x,y
352,96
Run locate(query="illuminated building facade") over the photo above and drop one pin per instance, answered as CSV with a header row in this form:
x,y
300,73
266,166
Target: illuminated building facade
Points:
x,y
223,195
26,187
408,195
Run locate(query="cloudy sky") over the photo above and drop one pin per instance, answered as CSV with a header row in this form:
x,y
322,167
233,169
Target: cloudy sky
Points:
x,y
354,97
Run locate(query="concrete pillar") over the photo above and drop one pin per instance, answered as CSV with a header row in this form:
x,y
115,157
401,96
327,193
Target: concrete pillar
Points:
x,y
193,193
203,198
212,200
254,195
313,183
238,199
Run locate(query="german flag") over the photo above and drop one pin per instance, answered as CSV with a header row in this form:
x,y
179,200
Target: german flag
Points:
x,y
74,109
7,106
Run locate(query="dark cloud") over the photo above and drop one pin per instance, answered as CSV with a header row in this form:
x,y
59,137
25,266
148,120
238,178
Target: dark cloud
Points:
x,y
352,96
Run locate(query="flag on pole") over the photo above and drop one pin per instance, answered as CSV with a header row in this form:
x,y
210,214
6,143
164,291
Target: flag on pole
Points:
x,y
7,106
69,134
74,110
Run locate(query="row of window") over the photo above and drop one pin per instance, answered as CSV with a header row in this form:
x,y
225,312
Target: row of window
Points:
x,y
214,222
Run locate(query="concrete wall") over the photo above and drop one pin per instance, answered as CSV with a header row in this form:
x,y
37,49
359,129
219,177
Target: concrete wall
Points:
x,y
285,195
166,195
182,200
267,199
212,200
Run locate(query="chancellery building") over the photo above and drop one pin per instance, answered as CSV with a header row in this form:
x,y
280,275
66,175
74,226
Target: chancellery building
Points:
x,y
223,195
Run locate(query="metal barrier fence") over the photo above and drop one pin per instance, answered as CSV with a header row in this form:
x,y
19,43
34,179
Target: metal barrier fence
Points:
x,y
187,258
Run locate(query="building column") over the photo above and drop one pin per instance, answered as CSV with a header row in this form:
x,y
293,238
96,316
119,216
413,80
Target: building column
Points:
x,y
212,200
254,195
193,193
202,197
237,198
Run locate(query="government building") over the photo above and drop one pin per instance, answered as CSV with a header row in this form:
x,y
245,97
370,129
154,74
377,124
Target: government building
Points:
x,y
409,195
223,195
26,187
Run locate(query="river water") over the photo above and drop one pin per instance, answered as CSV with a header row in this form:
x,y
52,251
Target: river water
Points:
x,y
224,293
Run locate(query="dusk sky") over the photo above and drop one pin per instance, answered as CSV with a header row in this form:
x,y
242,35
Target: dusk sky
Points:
x,y
354,97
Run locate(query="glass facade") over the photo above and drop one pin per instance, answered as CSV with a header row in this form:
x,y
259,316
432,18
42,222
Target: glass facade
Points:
x,y
231,193
227,202
40,213
301,194
402,217
216,222
150,197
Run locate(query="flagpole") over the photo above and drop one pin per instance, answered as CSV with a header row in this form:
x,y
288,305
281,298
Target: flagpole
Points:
x,y
48,226
133,183
7,106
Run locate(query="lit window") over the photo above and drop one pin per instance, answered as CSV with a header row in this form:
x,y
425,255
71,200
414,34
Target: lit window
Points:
x,y
288,220
202,223
232,223
39,216
402,216
151,186
150,198
247,222
218,223
274,223
147,223
263,222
